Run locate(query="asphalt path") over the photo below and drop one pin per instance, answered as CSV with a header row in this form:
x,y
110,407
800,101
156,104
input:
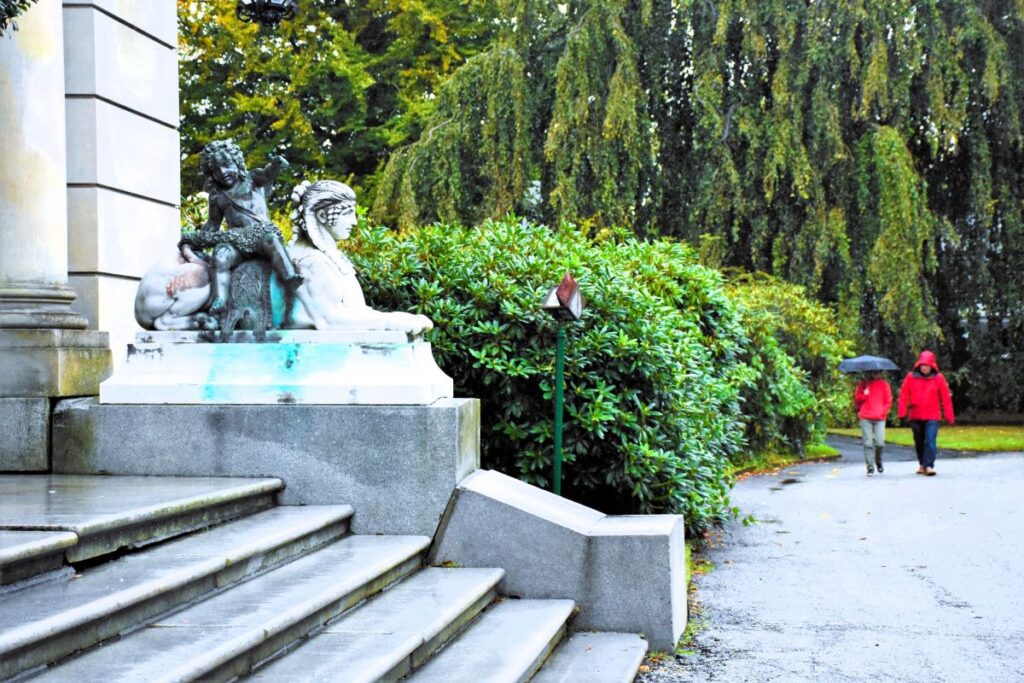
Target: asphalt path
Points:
x,y
845,577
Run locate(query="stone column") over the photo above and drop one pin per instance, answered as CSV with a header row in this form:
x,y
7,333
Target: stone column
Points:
x,y
45,350
34,290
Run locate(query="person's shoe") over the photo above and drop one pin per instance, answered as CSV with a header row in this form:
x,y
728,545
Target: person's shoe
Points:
x,y
921,470
871,470
878,459
929,471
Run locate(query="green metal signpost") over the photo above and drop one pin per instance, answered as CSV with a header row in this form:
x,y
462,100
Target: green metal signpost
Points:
x,y
559,407
565,303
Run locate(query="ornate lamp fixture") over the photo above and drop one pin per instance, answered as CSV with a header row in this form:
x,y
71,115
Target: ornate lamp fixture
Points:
x,y
266,12
565,303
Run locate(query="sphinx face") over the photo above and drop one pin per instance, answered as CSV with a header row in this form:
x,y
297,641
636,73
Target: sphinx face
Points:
x,y
337,219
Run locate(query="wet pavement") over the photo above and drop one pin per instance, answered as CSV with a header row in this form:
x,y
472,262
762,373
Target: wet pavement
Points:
x,y
845,577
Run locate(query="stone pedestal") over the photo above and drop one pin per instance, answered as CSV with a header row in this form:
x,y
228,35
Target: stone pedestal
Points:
x,y
288,367
396,465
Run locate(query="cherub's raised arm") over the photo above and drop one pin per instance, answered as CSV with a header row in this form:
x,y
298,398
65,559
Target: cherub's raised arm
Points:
x,y
266,176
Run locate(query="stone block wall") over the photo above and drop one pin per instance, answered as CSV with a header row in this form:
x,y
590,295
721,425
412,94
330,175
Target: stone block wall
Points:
x,y
121,96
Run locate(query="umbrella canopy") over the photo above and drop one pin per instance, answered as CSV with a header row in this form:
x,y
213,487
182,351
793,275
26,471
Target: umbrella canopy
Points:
x,y
867,364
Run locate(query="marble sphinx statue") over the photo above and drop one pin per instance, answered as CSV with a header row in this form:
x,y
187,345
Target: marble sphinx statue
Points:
x,y
243,277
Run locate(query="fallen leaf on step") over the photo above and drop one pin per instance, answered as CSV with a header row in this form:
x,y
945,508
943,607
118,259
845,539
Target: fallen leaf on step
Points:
x,y
644,668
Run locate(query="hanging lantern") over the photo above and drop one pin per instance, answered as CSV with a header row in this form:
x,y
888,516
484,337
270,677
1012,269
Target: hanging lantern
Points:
x,y
266,12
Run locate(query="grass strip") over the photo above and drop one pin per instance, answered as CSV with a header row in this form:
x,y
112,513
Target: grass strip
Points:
x,y
957,437
770,461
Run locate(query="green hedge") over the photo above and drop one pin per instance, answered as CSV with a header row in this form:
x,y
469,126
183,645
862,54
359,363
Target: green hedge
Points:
x,y
795,348
654,370
673,373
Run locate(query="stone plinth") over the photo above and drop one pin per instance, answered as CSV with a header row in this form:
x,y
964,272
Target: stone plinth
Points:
x,y
52,363
626,573
37,365
24,434
396,465
289,367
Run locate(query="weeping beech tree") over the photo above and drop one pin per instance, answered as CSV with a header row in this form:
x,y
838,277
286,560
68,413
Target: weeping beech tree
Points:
x,y
473,159
869,150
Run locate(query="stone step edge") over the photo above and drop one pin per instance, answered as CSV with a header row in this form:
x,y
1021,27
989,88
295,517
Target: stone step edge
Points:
x,y
617,657
529,669
233,664
64,634
158,523
424,652
27,554
164,528
395,664
246,645
234,491
139,527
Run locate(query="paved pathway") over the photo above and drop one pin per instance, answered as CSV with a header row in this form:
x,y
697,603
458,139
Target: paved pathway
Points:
x,y
897,577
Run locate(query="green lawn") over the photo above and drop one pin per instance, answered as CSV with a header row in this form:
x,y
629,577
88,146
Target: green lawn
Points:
x,y
958,437
768,462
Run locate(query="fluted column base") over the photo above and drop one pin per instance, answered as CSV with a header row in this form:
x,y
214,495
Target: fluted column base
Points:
x,y
38,306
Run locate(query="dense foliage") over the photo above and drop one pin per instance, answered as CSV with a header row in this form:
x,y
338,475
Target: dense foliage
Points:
x,y
795,346
9,11
653,372
870,151
335,89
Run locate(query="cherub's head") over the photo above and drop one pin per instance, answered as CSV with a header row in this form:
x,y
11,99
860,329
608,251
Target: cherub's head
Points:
x,y
222,163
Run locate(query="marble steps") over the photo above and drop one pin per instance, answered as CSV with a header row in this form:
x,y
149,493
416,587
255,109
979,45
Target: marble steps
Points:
x,y
28,554
508,643
589,657
383,639
224,636
42,623
49,520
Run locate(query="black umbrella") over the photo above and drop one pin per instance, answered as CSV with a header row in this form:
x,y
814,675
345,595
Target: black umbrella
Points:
x,y
867,364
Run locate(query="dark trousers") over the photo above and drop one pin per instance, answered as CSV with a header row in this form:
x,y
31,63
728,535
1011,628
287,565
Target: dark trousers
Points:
x,y
925,434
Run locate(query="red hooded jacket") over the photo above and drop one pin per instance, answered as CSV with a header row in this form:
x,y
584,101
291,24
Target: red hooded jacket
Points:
x,y
925,397
873,399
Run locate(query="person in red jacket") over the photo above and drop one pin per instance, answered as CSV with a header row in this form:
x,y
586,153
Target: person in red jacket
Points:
x,y
925,400
873,399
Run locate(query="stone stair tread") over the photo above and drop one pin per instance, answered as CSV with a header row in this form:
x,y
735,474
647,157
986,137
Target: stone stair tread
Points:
x,y
44,610
508,643
89,504
588,657
195,641
389,632
17,546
